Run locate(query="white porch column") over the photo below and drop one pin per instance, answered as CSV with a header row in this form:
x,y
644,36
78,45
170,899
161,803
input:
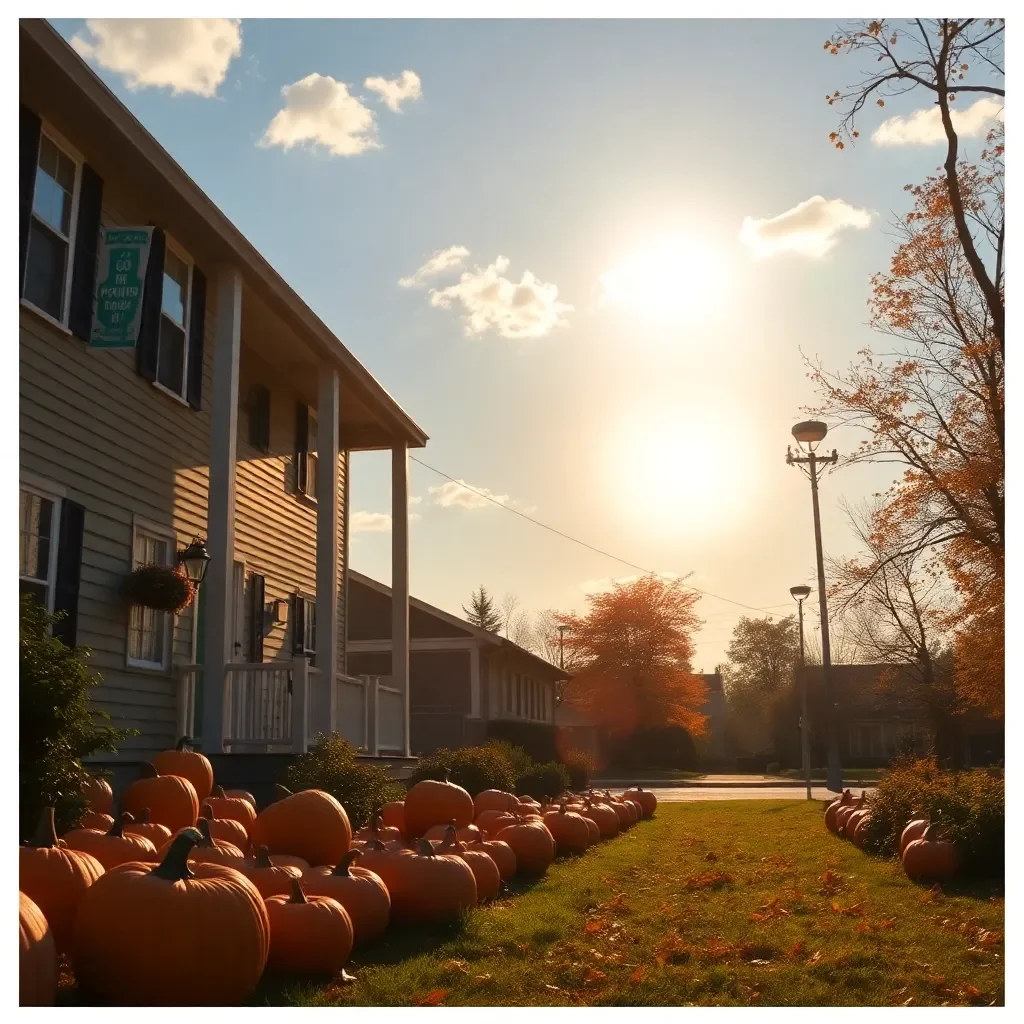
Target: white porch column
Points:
x,y
220,516
322,710
400,579
474,683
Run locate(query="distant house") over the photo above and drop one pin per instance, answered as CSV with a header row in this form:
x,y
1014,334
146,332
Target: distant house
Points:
x,y
465,683
577,731
712,745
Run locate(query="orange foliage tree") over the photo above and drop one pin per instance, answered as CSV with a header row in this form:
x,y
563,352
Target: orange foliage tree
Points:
x,y
631,655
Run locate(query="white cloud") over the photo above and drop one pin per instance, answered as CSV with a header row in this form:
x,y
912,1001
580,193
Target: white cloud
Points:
x,y
810,228
458,494
529,309
924,127
181,54
442,260
395,91
370,522
320,110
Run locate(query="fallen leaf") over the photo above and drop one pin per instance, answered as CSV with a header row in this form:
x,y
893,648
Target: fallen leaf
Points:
x,y
709,880
909,1001
709,856
759,963
986,938
638,976
483,977
433,998
553,988
797,948
456,965
889,922
593,975
596,925
814,959
344,978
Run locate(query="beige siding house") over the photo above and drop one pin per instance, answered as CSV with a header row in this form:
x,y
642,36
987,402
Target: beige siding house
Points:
x,y
231,421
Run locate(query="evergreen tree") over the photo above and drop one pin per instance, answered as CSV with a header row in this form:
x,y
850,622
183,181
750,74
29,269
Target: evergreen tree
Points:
x,y
482,612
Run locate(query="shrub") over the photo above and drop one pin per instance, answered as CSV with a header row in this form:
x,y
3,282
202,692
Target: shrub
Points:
x,y
536,738
473,768
331,765
969,804
579,765
773,768
57,728
517,757
543,780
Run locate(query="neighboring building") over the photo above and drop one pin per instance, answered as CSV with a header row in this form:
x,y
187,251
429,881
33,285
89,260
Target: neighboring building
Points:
x,y
231,420
462,679
576,731
712,745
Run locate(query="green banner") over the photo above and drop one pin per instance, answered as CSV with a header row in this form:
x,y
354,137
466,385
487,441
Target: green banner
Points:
x,y
123,258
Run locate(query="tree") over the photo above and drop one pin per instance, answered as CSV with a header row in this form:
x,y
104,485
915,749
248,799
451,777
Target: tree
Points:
x,y
515,622
481,611
632,654
935,56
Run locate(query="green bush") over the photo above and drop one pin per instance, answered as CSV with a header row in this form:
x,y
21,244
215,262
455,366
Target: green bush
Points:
x,y
968,804
57,728
773,768
543,780
579,765
536,738
473,768
517,757
331,765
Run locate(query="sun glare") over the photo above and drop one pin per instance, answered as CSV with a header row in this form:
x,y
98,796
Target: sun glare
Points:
x,y
676,278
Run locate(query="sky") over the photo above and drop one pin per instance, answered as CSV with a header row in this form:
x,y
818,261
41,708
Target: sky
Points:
x,y
585,256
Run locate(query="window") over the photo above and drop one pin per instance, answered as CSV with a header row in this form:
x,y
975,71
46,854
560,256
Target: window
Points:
x,y
39,520
172,346
507,684
309,627
51,230
149,630
304,625
519,696
312,461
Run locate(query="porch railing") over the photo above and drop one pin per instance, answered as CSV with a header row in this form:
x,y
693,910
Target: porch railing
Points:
x,y
370,713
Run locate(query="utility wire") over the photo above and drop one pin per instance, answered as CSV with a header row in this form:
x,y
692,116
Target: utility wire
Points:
x,y
583,543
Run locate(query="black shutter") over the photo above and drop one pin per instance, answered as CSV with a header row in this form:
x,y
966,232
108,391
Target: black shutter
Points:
x,y
152,299
28,156
87,236
259,417
298,624
196,330
69,570
301,446
258,618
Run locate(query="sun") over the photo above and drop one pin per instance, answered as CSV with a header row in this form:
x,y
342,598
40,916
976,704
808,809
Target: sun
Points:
x,y
676,278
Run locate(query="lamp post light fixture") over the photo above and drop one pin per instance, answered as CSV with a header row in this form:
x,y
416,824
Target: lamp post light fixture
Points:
x,y
809,434
561,646
800,594
195,558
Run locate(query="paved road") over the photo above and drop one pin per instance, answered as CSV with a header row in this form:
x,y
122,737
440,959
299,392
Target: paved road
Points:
x,y
680,793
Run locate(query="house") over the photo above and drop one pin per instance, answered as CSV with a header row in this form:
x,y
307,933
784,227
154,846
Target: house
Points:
x,y
230,419
465,683
575,730
712,745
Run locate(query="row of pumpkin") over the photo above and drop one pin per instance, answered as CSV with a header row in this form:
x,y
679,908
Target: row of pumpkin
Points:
x,y
925,854
185,899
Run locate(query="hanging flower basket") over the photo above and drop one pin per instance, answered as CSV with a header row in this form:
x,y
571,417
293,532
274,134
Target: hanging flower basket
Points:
x,y
161,587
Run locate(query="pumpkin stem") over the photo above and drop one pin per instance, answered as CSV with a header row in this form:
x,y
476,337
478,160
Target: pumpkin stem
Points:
x,y
446,776
929,832
46,831
424,849
345,863
203,825
117,829
185,743
376,845
147,771
263,858
174,867
298,896
218,791
207,812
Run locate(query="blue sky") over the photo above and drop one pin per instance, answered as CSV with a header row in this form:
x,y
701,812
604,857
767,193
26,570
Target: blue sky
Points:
x,y
651,424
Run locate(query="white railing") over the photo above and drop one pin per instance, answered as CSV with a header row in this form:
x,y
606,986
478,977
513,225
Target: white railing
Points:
x,y
188,677
352,711
370,713
391,724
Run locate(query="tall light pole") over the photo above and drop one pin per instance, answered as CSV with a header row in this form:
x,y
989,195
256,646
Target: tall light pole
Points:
x,y
809,434
561,646
800,594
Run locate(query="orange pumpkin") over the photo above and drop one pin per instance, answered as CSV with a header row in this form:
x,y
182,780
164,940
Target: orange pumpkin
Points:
x,y
271,879
284,860
240,794
431,803
54,877
360,891
158,835
493,800
645,798
485,871
310,824
430,886
856,826
378,830
97,820
171,799
438,833
843,813
532,844
228,829
236,807
309,935
500,852
606,820
914,830
931,858
114,846
382,859
98,794
568,829
37,956
188,764
492,822
833,809
392,815
208,850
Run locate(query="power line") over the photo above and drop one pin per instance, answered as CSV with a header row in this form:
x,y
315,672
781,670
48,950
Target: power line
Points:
x,y
583,543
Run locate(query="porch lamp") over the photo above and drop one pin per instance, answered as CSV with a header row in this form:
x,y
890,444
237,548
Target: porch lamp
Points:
x,y
800,594
195,558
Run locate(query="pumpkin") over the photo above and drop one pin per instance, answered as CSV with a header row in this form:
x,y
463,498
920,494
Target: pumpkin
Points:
x,y
237,808
189,764
621,812
309,935
931,858
383,861
436,803
606,820
493,800
240,794
98,794
431,886
360,891
171,799
856,826
634,803
158,835
114,846
914,830
208,850
500,852
311,825
843,813
284,860
54,877
171,935
494,821
271,879
485,871
568,829
438,833
833,809
532,844
228,829
97,820
378,830
37,956
392,815
645,798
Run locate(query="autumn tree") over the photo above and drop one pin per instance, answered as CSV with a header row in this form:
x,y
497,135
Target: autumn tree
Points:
x,y
632,654
482,612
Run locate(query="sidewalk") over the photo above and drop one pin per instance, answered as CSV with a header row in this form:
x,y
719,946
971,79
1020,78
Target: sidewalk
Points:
x,y
724,781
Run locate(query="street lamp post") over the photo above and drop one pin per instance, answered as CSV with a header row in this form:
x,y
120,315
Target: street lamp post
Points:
x,y
809,435
800,594
561,646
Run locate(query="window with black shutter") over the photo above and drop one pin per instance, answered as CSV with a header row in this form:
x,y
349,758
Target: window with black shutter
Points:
x,y
259,417
305,450
303,625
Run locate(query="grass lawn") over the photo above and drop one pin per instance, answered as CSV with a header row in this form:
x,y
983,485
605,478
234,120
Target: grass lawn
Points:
x,y
717,903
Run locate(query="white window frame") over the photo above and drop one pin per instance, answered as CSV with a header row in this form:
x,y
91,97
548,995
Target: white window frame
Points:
x,y
166,533
173,247
308,604
76,157
44,489
312,454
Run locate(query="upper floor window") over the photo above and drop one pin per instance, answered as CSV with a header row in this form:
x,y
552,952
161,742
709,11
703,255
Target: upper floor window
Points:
x,y
39,516
51,230
172,347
